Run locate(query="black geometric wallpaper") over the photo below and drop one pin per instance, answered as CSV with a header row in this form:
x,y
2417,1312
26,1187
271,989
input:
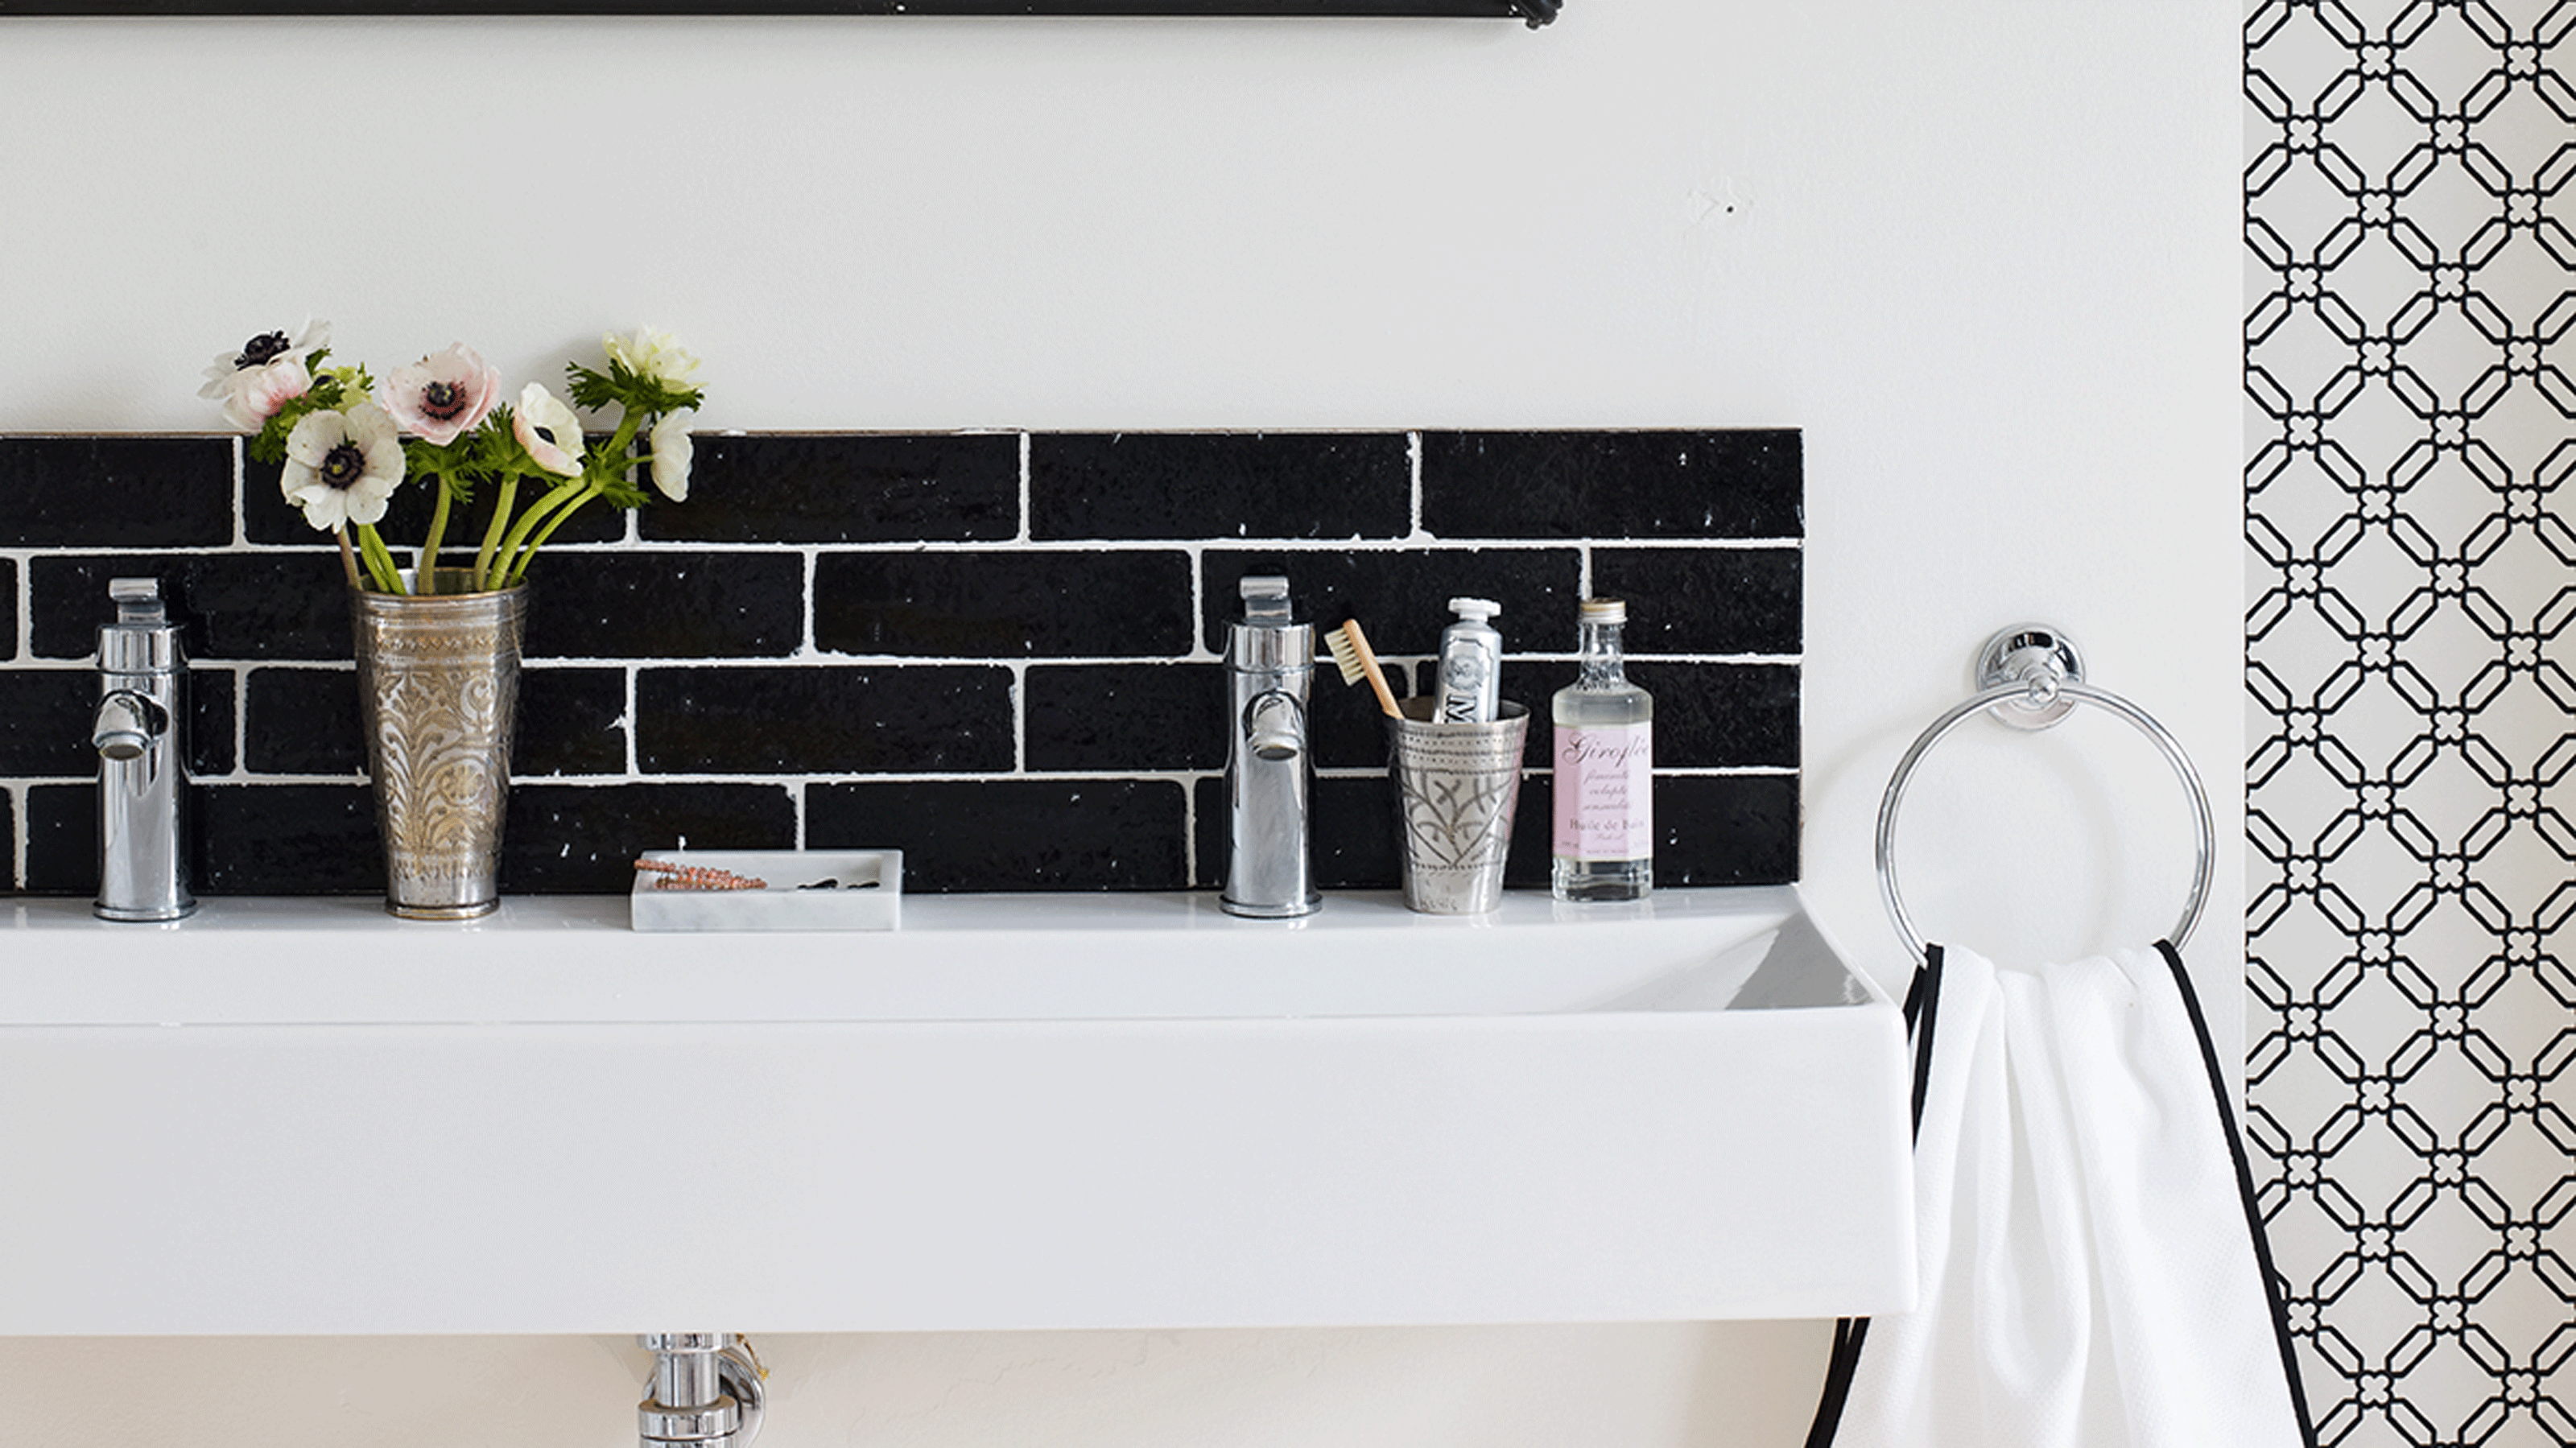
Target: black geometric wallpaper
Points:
x,y
2411,376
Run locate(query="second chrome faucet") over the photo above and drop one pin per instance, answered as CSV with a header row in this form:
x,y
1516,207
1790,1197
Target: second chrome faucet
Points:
x,y
1269,775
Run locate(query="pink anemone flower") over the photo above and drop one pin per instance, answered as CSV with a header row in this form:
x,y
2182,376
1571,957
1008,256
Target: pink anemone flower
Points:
x,y
442,396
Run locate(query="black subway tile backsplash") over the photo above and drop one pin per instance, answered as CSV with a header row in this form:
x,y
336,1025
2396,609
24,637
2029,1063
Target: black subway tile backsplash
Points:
x,y
582,839
1704,601
806,720
1019,834
847,488
571,721
249,606
116,492
1004,605
302,721
1654,484
1401,595
1220,485
1000,653
652,604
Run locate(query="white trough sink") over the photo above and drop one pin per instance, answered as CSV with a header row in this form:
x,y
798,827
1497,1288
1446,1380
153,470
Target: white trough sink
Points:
x,y
1041,1111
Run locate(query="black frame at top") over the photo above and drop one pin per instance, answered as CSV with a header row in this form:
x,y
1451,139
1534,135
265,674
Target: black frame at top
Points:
x,y
1535,12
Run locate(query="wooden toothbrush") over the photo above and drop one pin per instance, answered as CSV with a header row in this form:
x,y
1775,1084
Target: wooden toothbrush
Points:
x,y
1350,651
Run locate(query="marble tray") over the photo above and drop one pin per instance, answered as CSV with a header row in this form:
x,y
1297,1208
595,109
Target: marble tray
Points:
x,y
866,892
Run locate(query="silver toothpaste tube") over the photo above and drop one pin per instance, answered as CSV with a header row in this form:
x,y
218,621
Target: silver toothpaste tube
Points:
x,y
1470,680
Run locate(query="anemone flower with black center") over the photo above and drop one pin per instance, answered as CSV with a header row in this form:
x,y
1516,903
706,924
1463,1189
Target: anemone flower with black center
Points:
x,y
341,467
548,430
442,396
268,371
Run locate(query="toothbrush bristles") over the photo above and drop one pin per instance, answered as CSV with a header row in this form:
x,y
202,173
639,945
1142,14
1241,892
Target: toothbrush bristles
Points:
x,y
1350,650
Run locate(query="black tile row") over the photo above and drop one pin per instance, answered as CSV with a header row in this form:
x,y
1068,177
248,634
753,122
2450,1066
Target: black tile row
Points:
x,y
985,604
823,720
1012,834
175,492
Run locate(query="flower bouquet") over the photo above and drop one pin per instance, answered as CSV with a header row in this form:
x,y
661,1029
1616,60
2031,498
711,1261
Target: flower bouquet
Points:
x,y
347,442
438,648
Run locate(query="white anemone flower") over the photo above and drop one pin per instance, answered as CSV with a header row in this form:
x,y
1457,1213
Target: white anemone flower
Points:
x,y
672,452
444,395
342,466
262,351
548,430
653,353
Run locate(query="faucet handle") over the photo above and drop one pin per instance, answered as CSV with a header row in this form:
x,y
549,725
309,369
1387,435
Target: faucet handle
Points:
x,y
1265,599
138,600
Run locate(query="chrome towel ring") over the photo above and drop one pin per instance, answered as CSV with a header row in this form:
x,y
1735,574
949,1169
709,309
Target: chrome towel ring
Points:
x,y
2031,677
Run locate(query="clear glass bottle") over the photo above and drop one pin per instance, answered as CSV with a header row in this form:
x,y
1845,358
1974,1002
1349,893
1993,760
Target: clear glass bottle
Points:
x,y
1604,756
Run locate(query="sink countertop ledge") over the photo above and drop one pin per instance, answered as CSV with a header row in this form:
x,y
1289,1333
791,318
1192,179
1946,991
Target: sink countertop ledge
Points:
x,y
1015,1112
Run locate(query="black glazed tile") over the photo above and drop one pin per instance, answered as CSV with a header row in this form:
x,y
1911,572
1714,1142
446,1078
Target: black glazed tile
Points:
x,y
806,720
46,717
1706,715
569,839
1401,596
241,606
210,722
1015,604
303,721
571,721
626,605
286,839
116,492
1744,483
1220,485
1126,716
846,488
9,837
1010,834
1726,829
268,518
1704,600
62,839
9,606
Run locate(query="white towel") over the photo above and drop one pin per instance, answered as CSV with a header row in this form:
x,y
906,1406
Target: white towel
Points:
x,y
2092,1274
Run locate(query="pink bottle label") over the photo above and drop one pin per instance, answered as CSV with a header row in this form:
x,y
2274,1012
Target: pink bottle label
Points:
x,y
1605,799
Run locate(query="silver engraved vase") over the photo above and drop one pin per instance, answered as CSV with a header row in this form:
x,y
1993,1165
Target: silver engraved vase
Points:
x,y
438,691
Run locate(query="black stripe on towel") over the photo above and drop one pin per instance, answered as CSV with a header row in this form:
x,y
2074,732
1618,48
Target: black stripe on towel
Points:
x,y
1922,1015
2244,1190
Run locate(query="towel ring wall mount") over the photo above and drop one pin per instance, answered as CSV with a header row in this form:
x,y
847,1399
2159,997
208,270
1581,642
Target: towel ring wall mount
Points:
x,y
2030,676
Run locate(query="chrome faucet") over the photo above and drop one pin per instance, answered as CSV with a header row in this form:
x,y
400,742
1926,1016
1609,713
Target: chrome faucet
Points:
x,y
706,1392
1268,774
142,854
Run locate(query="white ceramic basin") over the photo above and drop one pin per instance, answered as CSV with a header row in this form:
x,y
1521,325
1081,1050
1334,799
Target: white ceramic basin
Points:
x,y
302,1116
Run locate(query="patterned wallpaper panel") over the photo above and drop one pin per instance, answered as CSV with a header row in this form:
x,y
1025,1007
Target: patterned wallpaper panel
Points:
x,y
2412,790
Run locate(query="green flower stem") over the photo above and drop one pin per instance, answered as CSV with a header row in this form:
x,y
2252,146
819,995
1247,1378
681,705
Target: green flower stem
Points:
x,y
428,566
348,557
380,559
547,513
529,555
492,535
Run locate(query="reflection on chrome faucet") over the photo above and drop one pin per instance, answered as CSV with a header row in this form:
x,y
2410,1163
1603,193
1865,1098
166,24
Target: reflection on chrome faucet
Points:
x,y
1268,775
142,859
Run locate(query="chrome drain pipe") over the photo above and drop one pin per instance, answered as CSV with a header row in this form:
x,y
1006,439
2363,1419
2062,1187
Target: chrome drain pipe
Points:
x,y
706,1392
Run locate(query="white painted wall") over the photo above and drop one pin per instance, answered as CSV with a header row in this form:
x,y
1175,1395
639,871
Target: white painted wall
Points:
x,y
1984,254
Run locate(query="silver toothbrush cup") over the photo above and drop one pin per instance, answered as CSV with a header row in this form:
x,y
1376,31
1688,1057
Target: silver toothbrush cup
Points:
x,y
1456,787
